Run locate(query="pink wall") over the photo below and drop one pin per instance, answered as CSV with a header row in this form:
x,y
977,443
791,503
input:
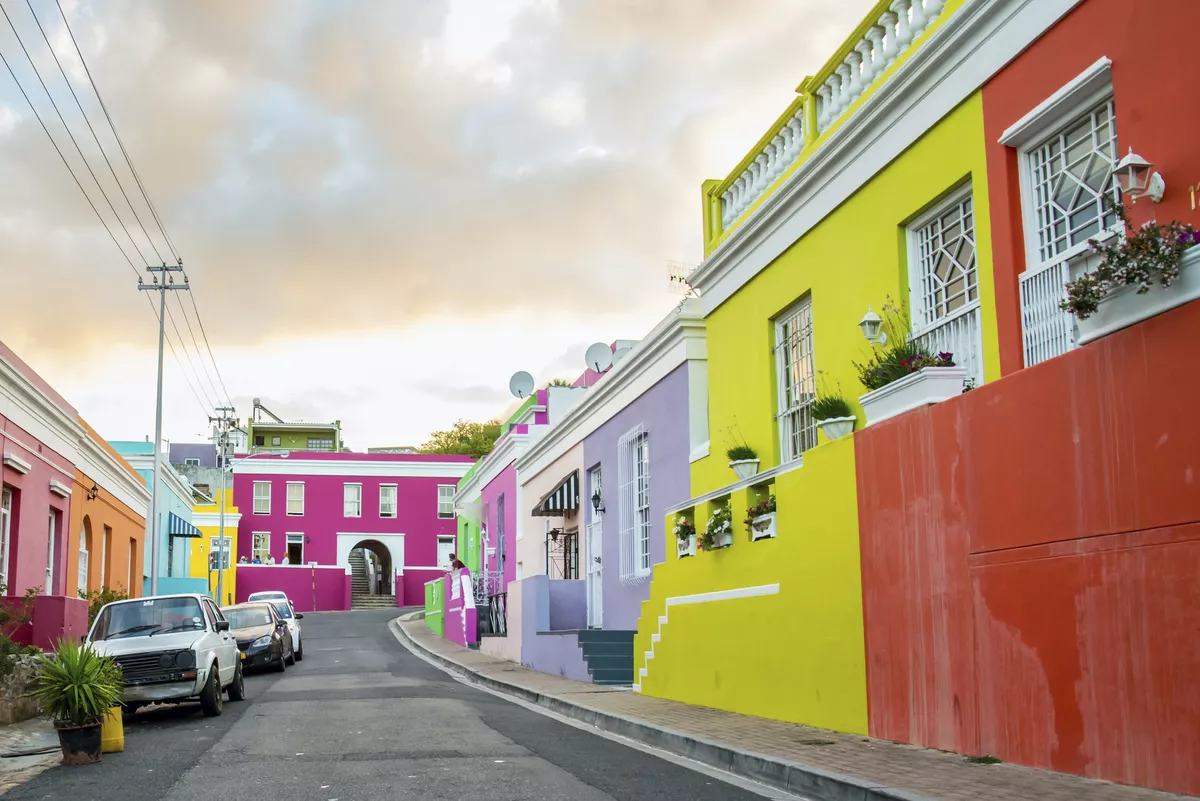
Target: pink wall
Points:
x,y
32,503
52,617
504,484
410,587
460,623
329,586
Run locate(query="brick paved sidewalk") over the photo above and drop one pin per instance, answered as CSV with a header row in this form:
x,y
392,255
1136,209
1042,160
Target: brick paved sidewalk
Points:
x,y
815,763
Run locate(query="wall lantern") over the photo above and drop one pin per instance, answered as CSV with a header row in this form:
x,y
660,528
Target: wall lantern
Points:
x,y
597,502
93,492
872,328
1137,178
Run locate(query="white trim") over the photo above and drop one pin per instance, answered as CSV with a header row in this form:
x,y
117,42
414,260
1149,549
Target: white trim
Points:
x,y
60,489
440,487
213,519
699,598
967,49
395,501
1074,96
699,452
346,501
752,481
529,415
254,498
346,540
287,500
510,448
99,466
677,339
14,462
173,480
254,546
346,468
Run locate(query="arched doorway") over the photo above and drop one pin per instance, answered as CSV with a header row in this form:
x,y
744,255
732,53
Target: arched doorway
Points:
x,y
371,568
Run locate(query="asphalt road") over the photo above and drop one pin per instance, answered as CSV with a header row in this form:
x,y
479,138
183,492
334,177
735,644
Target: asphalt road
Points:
x,y
361,718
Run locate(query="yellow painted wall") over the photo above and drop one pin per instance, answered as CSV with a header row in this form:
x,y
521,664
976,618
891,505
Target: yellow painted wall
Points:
x,y
198,565
798,655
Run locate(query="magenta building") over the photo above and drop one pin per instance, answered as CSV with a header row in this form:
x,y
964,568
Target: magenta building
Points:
x,y
345,529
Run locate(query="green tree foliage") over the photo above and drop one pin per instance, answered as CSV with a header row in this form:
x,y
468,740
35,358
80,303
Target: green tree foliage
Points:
x,y
471,439
559,382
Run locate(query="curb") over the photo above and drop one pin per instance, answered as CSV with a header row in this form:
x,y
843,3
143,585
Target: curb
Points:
x,y
811,782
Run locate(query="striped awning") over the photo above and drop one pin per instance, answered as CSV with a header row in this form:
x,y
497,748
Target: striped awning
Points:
x,y
178,527
563,498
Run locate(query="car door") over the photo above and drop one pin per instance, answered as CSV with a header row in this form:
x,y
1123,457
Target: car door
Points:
x,y
225,645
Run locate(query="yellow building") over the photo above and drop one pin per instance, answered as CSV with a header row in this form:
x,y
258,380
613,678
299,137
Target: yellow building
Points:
x,y
207,518
869,191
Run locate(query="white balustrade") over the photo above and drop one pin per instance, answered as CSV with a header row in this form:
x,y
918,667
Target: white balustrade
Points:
x,y
777,155
961,335
1046,330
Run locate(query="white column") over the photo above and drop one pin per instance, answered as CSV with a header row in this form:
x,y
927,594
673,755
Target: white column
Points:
x,y
903,31
890,48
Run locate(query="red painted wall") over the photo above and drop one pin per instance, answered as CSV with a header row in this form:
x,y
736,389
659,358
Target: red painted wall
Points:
x,y
1031,563
1152,45
51,618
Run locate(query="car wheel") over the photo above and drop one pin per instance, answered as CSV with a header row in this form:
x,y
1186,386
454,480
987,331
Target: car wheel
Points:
x,y
291,653
300,652
130,709
281,665
211,700
237,688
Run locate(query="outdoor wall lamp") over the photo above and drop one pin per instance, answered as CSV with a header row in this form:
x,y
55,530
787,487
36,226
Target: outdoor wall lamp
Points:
x,y
597,502
872,328
93,492
1137,178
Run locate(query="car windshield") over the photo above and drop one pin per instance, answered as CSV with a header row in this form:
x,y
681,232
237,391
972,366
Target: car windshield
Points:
x,y
268,596
283,609
248,617
147,617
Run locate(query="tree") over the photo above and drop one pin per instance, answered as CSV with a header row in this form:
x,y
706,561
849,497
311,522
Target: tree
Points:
x,y
472,439
559,382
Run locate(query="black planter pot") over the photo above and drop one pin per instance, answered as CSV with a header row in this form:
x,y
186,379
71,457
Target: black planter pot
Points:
x,y
80,744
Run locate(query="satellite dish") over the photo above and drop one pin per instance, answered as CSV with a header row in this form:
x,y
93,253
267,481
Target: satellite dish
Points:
x,y
521,384
598,357
620,353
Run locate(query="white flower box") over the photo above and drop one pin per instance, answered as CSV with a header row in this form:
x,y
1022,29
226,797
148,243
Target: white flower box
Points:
x,y
723,540
837,427
763,527
1125,307
687,546
930,385
745,468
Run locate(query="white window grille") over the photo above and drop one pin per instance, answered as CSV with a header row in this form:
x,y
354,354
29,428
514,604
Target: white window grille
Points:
x,y
1068,175
320,444
262,497
104,541
944,282
446,500
262,546
191,462
351,500
633,488
387,500
224,547
796,375
295,498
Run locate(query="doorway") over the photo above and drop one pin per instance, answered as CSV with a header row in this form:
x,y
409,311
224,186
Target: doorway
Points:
x,y
595,565
295,549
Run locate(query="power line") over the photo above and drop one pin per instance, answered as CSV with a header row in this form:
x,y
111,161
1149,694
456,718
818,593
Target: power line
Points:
x,y
192,295
186,319
203,407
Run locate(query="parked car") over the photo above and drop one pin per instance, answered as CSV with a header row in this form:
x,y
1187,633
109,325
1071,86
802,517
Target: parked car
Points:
x,y
286,611
262,635
170,648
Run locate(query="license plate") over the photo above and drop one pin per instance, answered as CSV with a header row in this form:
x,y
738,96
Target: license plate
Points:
x,y
243,656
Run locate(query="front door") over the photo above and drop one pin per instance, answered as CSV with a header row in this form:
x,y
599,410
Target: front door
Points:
x,y
50,556
445,548
595,566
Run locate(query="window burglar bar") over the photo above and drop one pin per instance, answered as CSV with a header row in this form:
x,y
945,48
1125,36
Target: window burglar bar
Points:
x,y
797,379
633,479
562,554
498,614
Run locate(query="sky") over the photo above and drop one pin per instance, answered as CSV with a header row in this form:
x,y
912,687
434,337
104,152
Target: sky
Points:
x,y
383,209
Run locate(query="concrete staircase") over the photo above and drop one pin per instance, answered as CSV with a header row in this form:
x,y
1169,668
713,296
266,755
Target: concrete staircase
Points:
x,y
609,655
360,586
372,601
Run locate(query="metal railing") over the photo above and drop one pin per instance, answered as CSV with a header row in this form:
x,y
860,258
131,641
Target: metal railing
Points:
x,y
1046,330
485,584
962,335
498,614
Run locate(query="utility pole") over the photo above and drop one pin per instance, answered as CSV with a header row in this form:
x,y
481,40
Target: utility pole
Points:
x,y
162,282
224,421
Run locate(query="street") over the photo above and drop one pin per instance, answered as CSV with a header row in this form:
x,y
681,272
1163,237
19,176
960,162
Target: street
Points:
x,y
362,718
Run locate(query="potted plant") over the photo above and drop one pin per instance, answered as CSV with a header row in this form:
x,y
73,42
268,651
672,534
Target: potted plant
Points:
x,y
760,519
744,460
685,536
904,373
718,533
1111,296
833,414
77,687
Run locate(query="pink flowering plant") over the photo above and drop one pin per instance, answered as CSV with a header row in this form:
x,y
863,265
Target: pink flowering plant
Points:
x,y
901,356
763,507
720,522
1143,257
684,528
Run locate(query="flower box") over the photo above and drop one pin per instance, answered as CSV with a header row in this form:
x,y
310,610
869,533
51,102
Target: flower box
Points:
x,y
930,385
1125,307
722,540
763,527
745,468
686,545
837,427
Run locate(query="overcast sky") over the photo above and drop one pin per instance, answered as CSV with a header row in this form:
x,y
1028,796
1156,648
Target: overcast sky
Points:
x,y
384,208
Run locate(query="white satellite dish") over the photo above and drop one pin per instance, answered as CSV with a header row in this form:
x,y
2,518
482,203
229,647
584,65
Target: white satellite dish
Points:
x,y
598,357
521,384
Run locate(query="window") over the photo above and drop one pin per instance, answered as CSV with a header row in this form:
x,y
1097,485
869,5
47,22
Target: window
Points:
x,y
352,500
276,442
85,535
104,543
295,549
260,441
633,488
499,534
387,500
191,462
6,504
129,567
295,498
262,497
445,548
51,546
220,547
797,379
320,444
446,500
262,546
944,281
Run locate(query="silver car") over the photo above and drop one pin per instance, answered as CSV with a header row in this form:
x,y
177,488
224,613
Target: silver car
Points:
x,y
170,648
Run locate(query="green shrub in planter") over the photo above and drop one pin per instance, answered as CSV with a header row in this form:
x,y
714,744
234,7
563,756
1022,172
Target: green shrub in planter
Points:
x,y
740,453
826,407
77,686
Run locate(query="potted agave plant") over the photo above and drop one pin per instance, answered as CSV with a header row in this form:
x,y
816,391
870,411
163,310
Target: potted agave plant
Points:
x,y
77,687
834,415
685,536
718,533
760,519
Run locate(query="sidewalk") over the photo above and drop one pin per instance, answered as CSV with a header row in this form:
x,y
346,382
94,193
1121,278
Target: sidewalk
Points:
x,y
32,735
818,764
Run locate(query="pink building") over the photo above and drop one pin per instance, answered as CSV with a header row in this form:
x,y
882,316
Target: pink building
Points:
x,y
354,529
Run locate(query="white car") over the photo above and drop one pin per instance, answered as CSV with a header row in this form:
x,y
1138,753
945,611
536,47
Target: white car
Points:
x,y
286,611
170,648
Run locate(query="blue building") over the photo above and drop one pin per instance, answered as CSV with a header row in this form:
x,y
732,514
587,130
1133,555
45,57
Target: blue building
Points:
x,y
175,531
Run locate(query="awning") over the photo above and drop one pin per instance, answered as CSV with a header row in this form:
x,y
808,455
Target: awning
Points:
x,y
178,527
563,498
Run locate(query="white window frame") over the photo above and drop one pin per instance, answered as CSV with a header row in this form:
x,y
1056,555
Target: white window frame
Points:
x,y
105,536
260,546
262,497
276,442
444,538
352,506
633,498
291,484
797,312
191,461
84,555
51,546
213,545
319,443
290,539
384,512
442,501
6,503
